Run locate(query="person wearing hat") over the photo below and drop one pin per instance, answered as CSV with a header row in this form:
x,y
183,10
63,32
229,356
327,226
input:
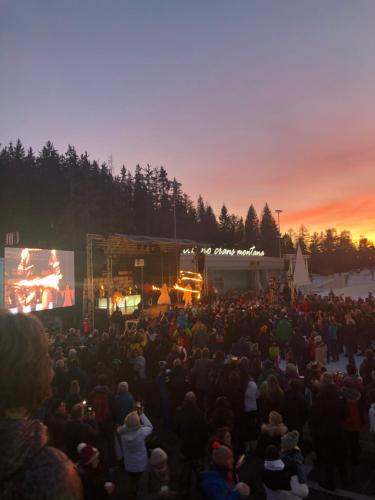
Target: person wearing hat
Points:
x,y
279,480
292,457
95,485
215,483
155,482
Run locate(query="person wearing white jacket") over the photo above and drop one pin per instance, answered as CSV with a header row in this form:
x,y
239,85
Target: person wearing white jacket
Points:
x,y
278,481
131,446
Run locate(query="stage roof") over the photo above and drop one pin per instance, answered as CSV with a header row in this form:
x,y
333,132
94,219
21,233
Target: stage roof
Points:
x,y
129,244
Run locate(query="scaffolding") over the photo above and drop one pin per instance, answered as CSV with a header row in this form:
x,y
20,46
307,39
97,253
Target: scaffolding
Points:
x,y
116,245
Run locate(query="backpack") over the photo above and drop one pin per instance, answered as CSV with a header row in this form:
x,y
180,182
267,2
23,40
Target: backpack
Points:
x,y
101,407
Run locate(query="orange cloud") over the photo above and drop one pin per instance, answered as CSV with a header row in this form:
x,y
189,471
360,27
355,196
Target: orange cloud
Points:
x,y
357,214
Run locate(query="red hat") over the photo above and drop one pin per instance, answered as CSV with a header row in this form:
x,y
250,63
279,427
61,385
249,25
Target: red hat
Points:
x,y
87,453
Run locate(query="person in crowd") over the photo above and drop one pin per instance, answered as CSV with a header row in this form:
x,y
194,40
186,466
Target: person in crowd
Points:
x,y
200,373
292,457
131,446
278,479
29,467
75,372
328,414
284,331
191,428
222,437
267,369
250,421
60,382
350,338
156,481
272,398
353,422
367,366
201,337
215,483
320,351
270,433
124,402
56,423
74,395
295,410
81,427
333,348
96,484
222,414
298,346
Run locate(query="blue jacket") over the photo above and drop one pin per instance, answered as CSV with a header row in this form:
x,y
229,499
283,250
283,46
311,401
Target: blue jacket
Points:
x,y
124,405
216,487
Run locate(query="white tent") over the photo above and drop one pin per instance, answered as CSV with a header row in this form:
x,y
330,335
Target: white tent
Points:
x,y
301,278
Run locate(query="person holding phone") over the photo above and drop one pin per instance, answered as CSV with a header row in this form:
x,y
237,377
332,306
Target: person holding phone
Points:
x,y
131,446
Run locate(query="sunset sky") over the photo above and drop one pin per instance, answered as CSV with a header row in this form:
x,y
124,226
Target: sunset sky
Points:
x,y
244,101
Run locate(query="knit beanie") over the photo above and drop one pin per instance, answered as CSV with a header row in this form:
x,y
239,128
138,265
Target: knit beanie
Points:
x,y
87,453
221,455
243,489
158,456
290,440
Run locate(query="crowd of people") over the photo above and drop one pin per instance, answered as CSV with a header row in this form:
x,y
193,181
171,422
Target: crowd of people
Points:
x,y
178,404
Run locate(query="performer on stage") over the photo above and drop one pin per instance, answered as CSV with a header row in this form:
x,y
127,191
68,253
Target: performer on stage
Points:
x,y
188,296
164,298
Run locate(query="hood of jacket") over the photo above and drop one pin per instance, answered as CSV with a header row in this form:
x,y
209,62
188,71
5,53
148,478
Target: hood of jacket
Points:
x,y
274,465
21,440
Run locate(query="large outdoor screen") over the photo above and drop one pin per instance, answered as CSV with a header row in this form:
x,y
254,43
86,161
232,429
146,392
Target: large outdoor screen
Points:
x,y
36,279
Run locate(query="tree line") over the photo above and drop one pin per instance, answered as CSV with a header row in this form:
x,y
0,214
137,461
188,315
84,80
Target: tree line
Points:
x,y
54,199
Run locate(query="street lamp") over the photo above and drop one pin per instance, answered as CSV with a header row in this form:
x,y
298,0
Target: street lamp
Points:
x,y
279,211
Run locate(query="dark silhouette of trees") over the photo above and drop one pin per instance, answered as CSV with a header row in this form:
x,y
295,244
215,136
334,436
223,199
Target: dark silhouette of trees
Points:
x,y
269,233
54,200
251,228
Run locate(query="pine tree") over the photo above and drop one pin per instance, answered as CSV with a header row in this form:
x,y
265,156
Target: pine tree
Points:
x,y
225,226
212,228
252,228
269,233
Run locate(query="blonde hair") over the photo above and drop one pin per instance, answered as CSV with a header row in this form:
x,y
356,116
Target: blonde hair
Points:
x,y
132,420
275,418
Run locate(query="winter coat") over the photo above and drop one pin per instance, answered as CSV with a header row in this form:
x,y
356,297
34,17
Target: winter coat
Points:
x,y
191,427
132,447
200,374
295,410
366,369
321,353
270,434
293,459
124,405
31,470
251,394
327,415
152,482
284,330
76,432
280,484
353,420
216,486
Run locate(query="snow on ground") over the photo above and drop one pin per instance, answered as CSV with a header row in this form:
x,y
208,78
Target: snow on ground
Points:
x,y
359,284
